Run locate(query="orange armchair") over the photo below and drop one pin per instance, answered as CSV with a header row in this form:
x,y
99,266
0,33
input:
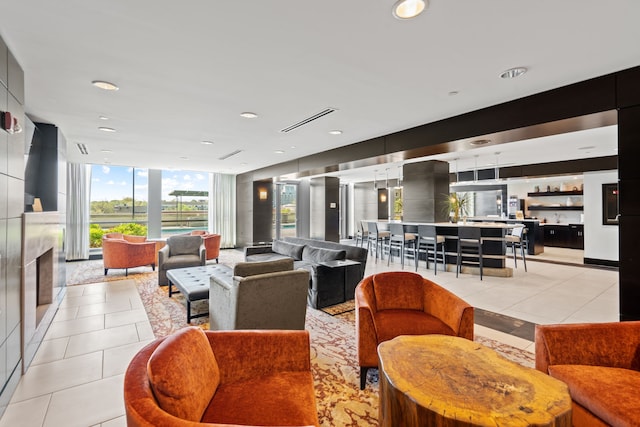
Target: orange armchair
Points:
x,y
404,303
124,251
600,362
222,378
211,243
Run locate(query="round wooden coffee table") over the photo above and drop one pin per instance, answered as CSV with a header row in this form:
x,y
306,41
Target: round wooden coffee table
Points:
x,y
439,380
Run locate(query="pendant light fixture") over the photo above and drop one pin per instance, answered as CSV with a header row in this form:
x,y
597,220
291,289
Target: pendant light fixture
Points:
x,y
475,170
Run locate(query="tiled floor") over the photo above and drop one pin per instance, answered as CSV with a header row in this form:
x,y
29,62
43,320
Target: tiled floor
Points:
x,y
76,377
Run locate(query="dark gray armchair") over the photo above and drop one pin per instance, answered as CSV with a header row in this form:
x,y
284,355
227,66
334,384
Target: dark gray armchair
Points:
x,y
260,295
180,252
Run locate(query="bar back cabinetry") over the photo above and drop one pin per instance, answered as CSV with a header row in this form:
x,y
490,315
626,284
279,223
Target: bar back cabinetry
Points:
x,y
564,236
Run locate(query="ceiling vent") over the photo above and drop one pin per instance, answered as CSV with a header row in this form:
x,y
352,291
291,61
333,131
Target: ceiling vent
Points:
x,y
308,120
82,148
226,156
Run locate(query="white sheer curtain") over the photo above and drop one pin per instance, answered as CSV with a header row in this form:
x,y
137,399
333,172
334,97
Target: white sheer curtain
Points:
x,y
78,209
222,208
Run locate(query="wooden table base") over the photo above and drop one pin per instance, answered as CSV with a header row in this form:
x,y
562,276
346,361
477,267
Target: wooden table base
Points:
x,y
438,380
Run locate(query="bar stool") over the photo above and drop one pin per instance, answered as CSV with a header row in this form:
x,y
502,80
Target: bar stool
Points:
x,y
517,239
401,240
430,242
469,246
361,234
377,238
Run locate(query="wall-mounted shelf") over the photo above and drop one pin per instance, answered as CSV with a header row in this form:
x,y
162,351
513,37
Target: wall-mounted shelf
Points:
x,y
556,193
555,208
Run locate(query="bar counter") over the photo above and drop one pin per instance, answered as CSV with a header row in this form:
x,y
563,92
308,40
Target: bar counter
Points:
x,y
493,245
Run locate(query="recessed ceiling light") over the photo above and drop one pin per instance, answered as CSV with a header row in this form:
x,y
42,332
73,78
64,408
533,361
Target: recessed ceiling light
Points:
x,y
293,147
512,73
480,142
206,142
104,85
588,147
407,9
248,115
103,117
106,129
105,151
243,164
335,132
279,151
453,93
184,158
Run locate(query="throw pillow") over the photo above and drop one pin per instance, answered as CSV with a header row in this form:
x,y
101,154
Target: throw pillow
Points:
x,y
184,374
312,254
288,249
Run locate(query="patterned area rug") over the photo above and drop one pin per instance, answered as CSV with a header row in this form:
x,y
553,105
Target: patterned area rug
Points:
x,y
340,402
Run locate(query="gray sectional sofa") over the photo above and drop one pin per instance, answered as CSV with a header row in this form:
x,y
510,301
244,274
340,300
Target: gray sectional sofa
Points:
x,y
327,285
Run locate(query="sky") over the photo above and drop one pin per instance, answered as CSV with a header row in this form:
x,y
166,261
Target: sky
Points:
x,y
116,182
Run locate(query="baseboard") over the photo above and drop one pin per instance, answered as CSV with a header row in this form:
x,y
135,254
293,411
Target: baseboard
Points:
x,y
603,262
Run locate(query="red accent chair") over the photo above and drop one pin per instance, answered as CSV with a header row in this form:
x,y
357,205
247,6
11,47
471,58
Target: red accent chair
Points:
x,y
211,243
215,378
404,303
600,362
125,251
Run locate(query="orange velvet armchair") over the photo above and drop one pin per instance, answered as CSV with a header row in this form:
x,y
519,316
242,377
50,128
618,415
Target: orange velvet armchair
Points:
x,y
600,362
211,243
404,303
222,378
124,251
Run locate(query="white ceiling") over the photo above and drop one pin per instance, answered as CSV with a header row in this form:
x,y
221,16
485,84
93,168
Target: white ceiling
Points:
x,y
186,70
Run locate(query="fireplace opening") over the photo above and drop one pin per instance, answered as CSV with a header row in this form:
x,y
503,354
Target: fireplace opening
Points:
x,y
44,284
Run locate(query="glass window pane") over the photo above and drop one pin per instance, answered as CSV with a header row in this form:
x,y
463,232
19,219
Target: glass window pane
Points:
x,y
118,201
185,201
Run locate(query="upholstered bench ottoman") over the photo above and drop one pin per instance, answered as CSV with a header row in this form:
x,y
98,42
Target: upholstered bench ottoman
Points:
x,y
194,282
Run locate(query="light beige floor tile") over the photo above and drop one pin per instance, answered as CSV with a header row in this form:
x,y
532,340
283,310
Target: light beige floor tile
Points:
x,y
145,332
59,375
502,337
82,300
28,413
117,359
102,339
51,350
66,314
95,288
75,291
116,422
103,308
112,320
87,404
76,326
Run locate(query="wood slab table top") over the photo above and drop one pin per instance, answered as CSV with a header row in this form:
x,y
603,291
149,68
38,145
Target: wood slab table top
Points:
x,y
439,380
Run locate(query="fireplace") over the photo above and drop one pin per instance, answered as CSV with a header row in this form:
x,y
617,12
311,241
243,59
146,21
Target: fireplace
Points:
x,y
42,277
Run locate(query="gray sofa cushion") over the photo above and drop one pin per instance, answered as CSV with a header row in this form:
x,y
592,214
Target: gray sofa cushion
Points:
x,y
312,254
246,269
288,249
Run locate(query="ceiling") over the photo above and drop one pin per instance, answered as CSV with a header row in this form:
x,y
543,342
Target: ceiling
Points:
x,y
186,70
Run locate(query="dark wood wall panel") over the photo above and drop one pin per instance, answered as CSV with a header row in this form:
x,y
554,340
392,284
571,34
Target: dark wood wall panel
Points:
x,y
424,191
365,205
262,211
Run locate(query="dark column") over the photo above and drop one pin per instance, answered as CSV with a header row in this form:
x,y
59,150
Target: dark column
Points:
x,y
262,211
325,208
424,191
383,204
628,97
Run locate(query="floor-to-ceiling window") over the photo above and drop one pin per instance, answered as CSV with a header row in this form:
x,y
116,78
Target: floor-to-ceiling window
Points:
x,y
118,201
